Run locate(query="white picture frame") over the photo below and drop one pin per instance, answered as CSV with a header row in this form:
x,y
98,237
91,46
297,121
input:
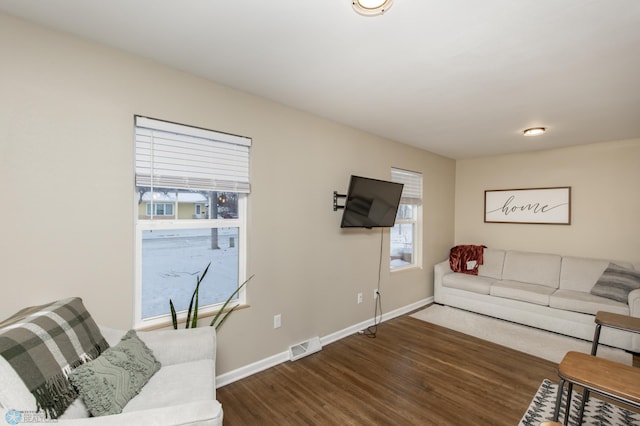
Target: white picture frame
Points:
x,y
549,206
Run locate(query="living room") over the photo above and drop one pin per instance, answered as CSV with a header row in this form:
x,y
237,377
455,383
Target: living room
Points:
x,y
67,151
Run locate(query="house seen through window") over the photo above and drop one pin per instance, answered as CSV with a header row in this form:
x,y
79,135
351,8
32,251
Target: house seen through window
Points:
x,y
190,192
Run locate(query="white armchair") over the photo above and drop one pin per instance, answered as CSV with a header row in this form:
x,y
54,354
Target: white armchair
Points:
x,y
182,392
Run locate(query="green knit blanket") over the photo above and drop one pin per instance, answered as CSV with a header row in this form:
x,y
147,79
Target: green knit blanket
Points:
x,y
44,343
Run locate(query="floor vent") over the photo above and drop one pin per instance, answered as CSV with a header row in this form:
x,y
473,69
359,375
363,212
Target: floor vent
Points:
x,y
304,348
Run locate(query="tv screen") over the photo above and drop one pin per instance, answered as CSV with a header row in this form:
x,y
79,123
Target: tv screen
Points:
x,y
371,203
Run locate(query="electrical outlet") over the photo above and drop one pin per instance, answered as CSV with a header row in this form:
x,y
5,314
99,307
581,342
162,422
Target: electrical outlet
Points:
x,y
277,321
359,297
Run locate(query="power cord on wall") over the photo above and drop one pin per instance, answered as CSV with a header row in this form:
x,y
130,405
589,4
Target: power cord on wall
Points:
x,y
372,330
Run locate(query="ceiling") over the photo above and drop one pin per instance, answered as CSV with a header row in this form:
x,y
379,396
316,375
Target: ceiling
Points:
x,y
460,78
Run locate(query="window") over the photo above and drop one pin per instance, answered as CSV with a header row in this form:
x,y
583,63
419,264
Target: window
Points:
x,y
406,235
159,209
191,187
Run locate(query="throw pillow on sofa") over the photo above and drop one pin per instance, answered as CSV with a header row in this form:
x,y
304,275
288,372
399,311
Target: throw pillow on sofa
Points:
x,y
40,344
108,382
616,282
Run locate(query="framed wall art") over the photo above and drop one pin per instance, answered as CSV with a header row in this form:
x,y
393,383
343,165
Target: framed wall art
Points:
x,y
532,205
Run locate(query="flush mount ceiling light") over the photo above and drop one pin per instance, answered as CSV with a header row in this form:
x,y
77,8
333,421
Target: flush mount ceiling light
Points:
x,y
534,131
371,7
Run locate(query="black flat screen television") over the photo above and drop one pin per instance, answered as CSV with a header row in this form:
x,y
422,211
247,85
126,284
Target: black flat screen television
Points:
x,y
371,203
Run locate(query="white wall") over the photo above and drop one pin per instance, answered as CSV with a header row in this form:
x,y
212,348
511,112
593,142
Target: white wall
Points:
x,y
605,204
66,158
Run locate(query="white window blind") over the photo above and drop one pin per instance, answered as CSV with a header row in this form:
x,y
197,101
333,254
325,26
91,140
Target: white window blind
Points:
x,y
412,190
170,155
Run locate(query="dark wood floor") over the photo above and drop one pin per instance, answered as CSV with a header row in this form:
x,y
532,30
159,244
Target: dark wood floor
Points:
x,y
412,373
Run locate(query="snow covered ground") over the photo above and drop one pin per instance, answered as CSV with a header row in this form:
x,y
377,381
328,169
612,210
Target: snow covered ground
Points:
x,y
173,259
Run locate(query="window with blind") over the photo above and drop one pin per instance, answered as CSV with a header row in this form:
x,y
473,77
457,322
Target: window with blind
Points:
x,y
191,186
406,235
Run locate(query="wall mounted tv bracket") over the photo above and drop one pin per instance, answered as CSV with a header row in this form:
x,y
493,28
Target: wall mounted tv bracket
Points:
x,y
335,200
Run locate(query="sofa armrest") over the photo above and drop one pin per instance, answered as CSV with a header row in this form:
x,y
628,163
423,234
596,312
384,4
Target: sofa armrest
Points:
x,y
634,311
634,303
439,271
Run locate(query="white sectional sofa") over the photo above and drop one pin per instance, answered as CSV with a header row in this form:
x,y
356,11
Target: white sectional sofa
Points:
x,y
546,291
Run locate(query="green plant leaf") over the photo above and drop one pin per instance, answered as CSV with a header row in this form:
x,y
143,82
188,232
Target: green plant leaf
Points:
x,y
194,298
192,311
186,325
194,320
174,316
215,318
224,318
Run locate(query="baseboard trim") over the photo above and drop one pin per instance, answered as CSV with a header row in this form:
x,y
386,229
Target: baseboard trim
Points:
x,y
272,361
250,369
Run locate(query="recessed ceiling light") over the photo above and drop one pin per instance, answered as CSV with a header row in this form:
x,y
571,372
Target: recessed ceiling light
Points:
x,y
371,7
534,131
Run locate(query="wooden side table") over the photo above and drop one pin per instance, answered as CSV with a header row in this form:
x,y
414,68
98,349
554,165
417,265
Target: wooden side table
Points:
x,y
571,370
611,320
601,376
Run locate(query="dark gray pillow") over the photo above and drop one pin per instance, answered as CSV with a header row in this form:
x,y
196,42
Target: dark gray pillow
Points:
x,y
616,282
108,382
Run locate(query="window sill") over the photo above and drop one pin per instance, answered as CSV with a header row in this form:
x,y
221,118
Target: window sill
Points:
x,y
181,321
405,268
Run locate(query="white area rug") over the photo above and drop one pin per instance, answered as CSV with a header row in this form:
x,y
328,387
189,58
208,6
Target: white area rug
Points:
x,y
596,412
540,343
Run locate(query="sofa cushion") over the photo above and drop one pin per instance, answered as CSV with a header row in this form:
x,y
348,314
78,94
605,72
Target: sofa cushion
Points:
x,y
107,383
534,268
531,293
473,283
176,384
581,273
586,303
492,263
616,282
77,410
202,412
13,392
